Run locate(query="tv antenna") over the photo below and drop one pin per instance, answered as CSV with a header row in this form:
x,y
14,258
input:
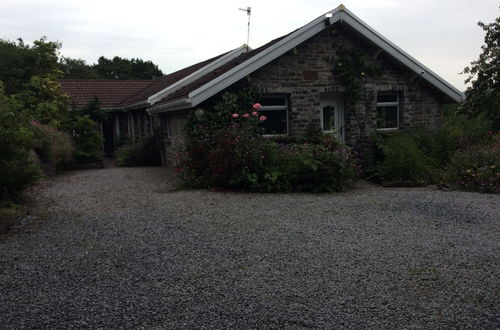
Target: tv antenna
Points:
x,y
249,12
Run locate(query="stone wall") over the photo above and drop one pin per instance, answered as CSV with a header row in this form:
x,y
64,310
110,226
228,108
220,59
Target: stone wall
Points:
x,y
305,73
174,138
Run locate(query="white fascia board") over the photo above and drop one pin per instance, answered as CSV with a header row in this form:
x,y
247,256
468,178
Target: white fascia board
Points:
x,y
176,105
401,55
197,74
256,62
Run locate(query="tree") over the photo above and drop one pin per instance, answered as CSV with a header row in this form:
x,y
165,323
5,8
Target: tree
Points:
x,y
20,62
77,69
483,97
122,68
16,170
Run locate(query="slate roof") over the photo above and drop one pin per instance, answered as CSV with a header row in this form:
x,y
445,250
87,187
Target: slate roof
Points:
x,y
217,72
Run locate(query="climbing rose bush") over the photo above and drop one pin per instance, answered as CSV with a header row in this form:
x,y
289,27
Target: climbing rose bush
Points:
x,y
236,156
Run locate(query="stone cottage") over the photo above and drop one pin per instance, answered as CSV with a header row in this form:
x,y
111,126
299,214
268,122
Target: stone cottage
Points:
x,y
335,72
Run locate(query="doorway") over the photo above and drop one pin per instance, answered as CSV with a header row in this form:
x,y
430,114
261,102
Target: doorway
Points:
x,y
332,115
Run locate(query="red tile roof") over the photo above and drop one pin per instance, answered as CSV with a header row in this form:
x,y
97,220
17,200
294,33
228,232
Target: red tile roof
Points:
x,y
111,93
122,93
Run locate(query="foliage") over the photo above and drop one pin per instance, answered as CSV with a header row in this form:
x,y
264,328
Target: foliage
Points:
x,y
87,140
55,148
225,150
203,124
122,68
483,98
401,160
21,62
476,168
145,152
93,110
44,101
16,169
77,69
351,67
419,157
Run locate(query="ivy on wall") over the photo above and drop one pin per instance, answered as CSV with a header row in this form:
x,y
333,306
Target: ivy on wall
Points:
x,y
352,68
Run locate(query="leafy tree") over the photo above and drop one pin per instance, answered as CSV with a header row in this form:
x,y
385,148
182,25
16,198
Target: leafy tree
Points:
x,y
16,170
20,62
122,68
483,98
44,101
77,69
94,111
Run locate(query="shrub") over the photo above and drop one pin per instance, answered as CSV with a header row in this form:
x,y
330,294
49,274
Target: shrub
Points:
x,y
55,148
323,167
16,170
400,160
236,156
87,140
418,157
476,168
146,152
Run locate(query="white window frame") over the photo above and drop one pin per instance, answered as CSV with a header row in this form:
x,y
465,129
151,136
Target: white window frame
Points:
x,y
277,108
389,104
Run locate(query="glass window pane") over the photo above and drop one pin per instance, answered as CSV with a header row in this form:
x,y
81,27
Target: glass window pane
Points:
x,y
275,123
381,98
329,118
387,117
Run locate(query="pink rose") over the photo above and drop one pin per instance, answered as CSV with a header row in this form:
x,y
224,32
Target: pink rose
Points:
x,y
235,115
262,118
255,114
257,106
246,115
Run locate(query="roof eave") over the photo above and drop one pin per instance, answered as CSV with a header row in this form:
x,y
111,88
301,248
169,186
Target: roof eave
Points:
x,y
400,55
196,75
171,106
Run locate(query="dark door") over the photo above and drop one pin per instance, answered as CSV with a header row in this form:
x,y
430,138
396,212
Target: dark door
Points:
x,y
108,135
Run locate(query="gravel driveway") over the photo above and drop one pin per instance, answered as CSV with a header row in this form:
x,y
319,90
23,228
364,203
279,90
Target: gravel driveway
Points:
x,y
116,248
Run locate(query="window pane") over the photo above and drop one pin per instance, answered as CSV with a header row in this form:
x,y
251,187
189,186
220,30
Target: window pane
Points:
x,y
329,118
387,117
387,98
273,101
275,123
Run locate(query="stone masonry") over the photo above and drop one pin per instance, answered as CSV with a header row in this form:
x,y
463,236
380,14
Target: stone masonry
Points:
x,y
306,72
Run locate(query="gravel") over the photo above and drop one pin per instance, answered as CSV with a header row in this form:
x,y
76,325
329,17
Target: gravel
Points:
x,y
118,248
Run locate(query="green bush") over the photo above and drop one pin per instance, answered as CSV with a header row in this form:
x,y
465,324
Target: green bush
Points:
x,y
146,152
87,140
476,168
55,148
16,169
236,156
418,157
400,160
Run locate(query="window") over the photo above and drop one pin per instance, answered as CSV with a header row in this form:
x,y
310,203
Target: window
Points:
x,y
275,108
387,111
328,118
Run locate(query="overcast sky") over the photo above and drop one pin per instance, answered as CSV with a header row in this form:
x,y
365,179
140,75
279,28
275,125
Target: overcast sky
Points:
x,y
442,34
